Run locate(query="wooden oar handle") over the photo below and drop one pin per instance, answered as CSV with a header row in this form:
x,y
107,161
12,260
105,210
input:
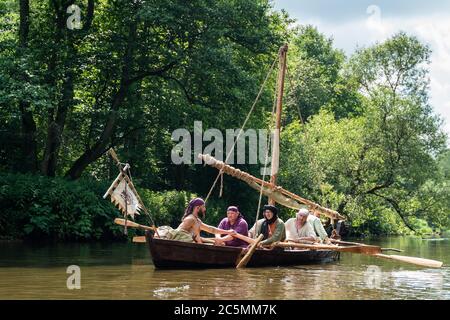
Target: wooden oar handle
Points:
x,y
243,238
132,224
243,262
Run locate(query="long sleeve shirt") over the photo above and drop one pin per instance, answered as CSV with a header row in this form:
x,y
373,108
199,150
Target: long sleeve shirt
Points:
x,y
318,227
294,233
240,226
279,234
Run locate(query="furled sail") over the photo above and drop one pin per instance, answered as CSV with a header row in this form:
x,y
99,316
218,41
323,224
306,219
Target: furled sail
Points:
x,y
280,195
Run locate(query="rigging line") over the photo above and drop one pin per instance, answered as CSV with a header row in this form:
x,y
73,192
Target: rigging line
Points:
x,y
244,124
291,87
269,142
313,159
152,222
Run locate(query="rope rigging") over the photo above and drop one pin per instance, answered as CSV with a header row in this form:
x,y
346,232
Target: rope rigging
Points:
x,y
243,125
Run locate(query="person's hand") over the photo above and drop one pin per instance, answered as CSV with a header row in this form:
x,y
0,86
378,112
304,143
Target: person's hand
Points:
x,y
219,242
232,232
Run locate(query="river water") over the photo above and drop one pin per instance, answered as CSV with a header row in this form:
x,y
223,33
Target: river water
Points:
x,y
125,271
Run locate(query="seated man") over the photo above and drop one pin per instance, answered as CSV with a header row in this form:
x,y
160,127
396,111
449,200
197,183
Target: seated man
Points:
x,y
318,227
189,229
299,229
271,227
233,221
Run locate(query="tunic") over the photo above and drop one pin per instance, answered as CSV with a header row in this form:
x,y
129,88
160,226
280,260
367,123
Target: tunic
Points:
x,y
294,233
240,226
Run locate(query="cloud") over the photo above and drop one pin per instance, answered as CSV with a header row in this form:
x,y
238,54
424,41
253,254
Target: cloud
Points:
x,y
381,20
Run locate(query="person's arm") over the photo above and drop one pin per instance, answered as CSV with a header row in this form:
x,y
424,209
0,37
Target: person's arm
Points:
x,y
214,230
320,230
310,235
217,235
277,235
242,228
290,231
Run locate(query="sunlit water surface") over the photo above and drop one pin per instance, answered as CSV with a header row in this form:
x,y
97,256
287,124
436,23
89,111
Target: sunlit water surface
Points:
x,y
125,271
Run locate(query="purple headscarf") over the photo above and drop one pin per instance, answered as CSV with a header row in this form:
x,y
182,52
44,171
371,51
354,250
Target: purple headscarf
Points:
x,y
192,204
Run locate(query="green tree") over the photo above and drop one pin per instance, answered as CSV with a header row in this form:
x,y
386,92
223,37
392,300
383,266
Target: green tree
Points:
x,y
316,79
380,162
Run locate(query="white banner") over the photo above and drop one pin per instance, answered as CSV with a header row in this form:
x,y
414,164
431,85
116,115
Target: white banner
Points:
x,y
123,193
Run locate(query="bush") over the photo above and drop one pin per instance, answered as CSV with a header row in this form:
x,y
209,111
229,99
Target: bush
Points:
x,y
38,207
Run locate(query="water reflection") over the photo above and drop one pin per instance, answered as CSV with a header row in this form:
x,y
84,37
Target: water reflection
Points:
x,y
124,271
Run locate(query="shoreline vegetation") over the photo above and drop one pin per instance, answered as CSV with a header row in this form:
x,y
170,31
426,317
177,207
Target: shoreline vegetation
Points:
x,y
359,133
38,208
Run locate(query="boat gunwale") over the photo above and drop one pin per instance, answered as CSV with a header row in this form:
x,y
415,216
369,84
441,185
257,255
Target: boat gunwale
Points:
x,y
158,241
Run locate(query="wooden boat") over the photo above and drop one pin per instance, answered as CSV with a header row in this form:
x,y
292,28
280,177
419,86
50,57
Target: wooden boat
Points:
x,y
171,254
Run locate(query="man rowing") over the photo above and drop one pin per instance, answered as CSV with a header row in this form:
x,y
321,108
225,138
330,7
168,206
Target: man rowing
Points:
x,y
191,225
233,221
298,229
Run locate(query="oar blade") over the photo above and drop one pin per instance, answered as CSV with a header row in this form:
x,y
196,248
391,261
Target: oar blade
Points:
x,y
413,260
139,239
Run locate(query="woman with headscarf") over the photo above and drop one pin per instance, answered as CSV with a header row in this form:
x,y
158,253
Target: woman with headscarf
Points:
x,y
270,226
233,221
191,225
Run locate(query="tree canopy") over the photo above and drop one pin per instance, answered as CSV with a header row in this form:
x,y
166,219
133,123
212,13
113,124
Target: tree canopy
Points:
x,y
359,136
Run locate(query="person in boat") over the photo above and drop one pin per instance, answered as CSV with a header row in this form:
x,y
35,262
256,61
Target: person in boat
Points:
x,y
314,220
270,226
233,221
298,229
191,225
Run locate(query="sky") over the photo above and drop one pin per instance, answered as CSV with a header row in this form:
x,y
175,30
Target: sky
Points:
x,y
361,23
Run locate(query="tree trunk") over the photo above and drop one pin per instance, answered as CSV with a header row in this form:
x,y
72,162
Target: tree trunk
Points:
x,y
103,143
57,122
28,125
94,152
56,128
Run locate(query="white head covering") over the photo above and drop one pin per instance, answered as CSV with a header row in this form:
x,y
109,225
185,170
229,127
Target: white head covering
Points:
x,y
302,213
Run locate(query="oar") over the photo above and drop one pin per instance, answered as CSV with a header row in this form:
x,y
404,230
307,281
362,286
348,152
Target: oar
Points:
x,y
139,239
412,260
362,244
250,252
244,238
368,250
352,249
132,224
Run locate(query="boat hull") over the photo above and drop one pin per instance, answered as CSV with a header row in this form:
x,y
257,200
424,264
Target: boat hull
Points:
x,y
171,254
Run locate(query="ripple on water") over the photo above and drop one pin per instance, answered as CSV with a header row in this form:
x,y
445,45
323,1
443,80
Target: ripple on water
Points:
x,y
166,292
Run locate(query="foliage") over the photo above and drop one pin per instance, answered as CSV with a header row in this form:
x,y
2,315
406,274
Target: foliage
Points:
x,y
382,161
368,143
38,207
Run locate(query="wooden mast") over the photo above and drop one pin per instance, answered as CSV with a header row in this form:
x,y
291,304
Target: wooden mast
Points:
x,y
276,135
